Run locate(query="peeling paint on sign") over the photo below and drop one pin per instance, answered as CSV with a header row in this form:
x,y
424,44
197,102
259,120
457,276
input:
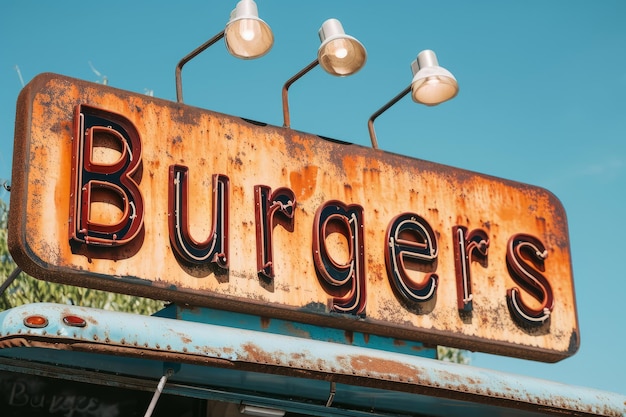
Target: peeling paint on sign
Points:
x,y
129,193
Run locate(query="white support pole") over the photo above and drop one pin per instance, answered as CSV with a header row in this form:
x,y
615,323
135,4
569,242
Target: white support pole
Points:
x,y
157,393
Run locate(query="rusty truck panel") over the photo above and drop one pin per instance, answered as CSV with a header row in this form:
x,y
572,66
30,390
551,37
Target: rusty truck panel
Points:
x,y
313,377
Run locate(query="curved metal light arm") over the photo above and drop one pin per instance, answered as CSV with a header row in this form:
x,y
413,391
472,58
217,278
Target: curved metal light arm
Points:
x,y
370,122
286,121
189,57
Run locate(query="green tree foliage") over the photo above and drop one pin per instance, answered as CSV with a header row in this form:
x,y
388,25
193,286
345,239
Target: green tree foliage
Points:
x,y
448,354
26,289
6,264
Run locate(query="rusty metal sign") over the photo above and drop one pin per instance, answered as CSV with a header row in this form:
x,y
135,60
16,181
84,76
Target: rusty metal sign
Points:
x,y
129,193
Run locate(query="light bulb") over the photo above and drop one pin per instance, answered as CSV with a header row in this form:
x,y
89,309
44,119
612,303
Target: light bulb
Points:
x,y
341,49
246,29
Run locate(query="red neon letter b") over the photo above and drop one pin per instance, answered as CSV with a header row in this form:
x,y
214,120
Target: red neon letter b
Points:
x,y
107,206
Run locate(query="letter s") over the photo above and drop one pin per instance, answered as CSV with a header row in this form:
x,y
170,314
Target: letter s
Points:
x,y
525,256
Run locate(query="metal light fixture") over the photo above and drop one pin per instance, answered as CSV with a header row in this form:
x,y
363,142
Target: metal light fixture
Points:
x,y
254,410
246,37
431,85
339,54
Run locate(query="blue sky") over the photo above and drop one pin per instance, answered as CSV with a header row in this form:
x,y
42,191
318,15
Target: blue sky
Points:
x,y
542,87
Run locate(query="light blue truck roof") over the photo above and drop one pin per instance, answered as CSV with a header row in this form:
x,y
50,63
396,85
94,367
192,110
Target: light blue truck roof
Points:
x,y
296,371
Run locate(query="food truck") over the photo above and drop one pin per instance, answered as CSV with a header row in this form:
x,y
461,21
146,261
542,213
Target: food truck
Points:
x,y
301,275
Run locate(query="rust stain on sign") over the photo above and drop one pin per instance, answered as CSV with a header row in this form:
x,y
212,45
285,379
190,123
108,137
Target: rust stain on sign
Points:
x,y
129,193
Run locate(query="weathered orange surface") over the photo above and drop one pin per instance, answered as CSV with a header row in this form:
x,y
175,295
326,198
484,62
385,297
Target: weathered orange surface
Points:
x,y
317,171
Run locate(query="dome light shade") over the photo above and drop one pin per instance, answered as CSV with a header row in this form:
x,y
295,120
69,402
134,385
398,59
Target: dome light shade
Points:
x,y
431,83
339,54
246,35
